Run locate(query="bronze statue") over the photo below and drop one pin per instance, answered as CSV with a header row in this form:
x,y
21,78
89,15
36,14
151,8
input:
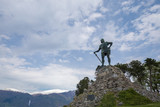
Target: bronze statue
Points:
x,y
105,51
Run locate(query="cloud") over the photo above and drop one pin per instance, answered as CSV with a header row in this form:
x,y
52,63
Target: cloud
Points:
x,y
15,61
95,41
144,28
50,91
132,37
130,6
128,2
148,2
94,16
63,61
103,9
4,37
16,72
111,31
33,79
158,57
135,9
131,58
43,27
149,26
4,51
131,9
125,47
37,30
79,59
70,39
155,8
117,12
147,29
44,24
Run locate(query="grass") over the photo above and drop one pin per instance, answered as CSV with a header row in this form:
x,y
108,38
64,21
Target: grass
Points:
x,y
131,97
147,105
108,100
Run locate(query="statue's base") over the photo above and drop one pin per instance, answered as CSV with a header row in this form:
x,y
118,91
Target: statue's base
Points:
x,y
100,66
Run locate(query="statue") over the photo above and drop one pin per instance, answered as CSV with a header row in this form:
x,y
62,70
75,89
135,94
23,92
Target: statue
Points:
x,y
105,51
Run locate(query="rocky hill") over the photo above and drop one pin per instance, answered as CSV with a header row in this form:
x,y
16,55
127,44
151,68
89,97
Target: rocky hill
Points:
x,y
109,79
19,99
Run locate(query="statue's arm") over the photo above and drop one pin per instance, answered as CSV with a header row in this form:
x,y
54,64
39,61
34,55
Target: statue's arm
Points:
x,y
110,44
98,49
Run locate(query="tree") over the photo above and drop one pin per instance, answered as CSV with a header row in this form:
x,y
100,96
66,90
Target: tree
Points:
x,y
147,73
150,63
123,67
137,70
134,69
83,84
156,77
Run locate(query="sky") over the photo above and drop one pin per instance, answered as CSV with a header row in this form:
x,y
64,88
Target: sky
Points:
x,y
49,44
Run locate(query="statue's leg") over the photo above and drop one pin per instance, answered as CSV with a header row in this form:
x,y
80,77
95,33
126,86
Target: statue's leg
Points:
x,y
102,59
109,60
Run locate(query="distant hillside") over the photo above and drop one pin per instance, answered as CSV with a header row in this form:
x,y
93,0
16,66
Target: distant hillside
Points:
x,y
18,99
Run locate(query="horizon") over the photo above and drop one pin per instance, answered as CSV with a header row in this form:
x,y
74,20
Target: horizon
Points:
x,y
47,45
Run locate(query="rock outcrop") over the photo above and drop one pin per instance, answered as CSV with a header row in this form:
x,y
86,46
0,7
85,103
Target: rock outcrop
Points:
x,y
109,78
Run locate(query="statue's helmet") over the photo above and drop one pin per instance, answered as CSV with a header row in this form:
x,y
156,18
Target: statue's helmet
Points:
x,y
102,40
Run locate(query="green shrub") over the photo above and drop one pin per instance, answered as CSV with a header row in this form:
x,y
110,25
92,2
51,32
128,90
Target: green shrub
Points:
x,y
131,97
108,100
146,105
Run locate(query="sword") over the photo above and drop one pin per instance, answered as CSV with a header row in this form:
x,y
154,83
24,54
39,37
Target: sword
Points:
x,y
97,57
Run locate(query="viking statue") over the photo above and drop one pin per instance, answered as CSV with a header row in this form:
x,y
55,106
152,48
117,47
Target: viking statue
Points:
x,y
105,50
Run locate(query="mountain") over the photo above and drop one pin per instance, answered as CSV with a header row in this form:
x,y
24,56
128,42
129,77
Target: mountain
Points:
x,y
20,99
110,86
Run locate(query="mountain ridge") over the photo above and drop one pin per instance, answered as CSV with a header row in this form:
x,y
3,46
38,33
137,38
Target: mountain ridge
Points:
x,y
21,99
37,92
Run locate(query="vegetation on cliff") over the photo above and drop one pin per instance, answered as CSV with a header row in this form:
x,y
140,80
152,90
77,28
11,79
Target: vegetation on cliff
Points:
x,y
147,73
108,100
131,97
82,85
126,97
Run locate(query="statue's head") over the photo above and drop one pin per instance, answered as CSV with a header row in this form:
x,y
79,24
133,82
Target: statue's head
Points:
x,y
102,40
